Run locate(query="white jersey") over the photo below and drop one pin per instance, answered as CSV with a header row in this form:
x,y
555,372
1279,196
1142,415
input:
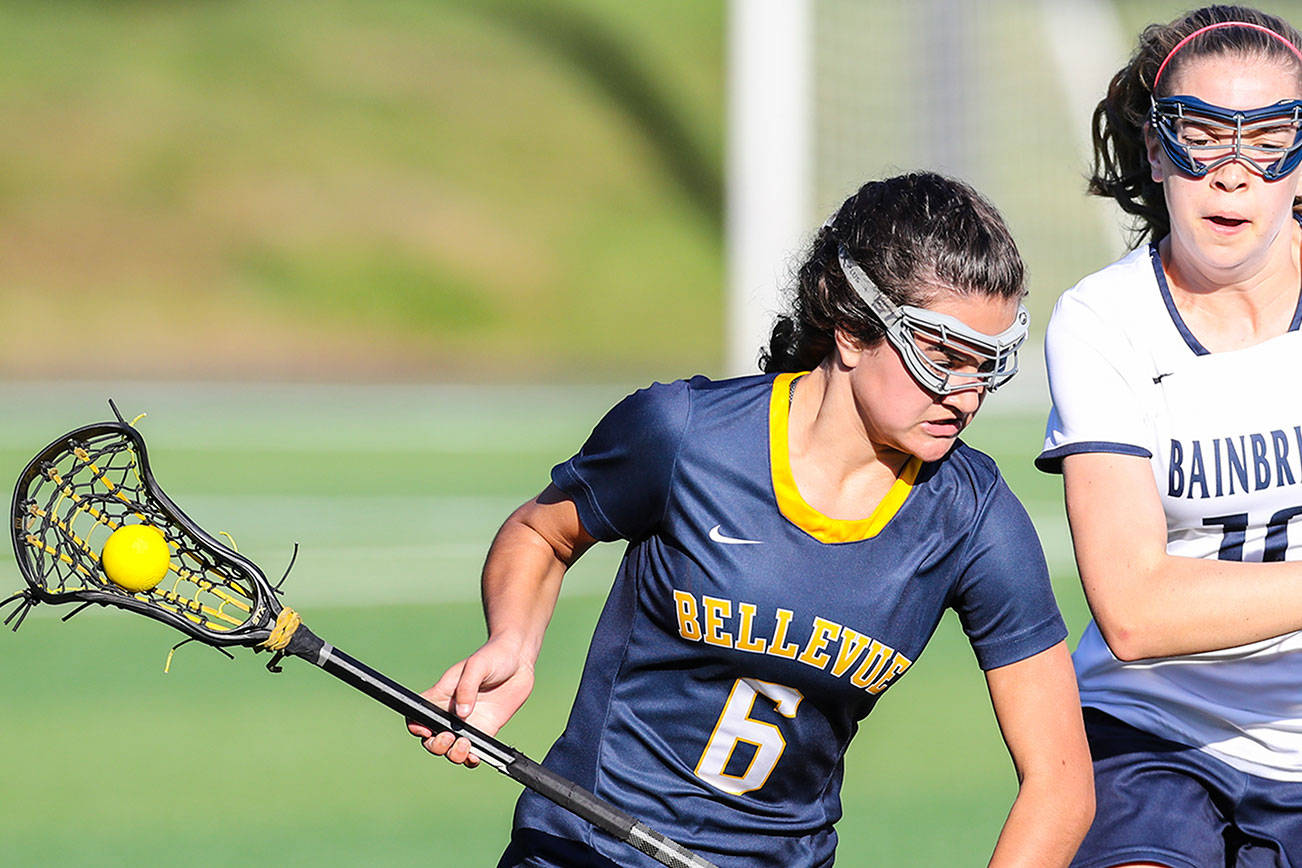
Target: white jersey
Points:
x,y
1223,433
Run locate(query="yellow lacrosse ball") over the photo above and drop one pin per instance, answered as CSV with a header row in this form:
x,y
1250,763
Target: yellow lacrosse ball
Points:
x,y
135,557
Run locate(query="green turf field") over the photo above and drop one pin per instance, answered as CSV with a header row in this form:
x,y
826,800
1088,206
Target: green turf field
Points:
x,y
393,494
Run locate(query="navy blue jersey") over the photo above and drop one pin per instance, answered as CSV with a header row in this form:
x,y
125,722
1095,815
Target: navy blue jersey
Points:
x,y
746,634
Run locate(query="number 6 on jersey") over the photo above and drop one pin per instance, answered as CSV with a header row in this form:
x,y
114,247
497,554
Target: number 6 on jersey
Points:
x,y
736,725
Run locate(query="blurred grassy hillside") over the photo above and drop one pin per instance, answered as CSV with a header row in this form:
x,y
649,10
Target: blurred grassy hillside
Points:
x,y
396,189
453,190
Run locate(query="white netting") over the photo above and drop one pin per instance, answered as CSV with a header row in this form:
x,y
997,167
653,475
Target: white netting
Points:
x,y
975,90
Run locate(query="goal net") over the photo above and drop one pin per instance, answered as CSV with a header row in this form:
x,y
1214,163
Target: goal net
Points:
x,y
998,93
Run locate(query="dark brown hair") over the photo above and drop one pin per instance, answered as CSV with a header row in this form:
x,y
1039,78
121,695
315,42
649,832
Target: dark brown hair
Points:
x,y
914,235
1121,170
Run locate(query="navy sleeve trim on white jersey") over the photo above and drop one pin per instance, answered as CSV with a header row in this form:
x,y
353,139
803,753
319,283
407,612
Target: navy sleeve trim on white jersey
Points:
x,y
1050,461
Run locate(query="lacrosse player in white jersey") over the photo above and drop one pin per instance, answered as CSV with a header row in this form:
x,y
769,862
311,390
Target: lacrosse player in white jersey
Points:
x,y
1177,426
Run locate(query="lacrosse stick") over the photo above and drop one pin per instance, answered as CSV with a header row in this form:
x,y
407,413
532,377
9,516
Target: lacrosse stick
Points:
x,y
96,479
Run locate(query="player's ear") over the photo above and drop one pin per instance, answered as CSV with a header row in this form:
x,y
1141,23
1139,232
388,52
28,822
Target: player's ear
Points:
x,y
1154,150
848,349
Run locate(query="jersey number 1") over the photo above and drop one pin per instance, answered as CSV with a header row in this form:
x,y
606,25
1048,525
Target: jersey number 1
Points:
x,y
736,725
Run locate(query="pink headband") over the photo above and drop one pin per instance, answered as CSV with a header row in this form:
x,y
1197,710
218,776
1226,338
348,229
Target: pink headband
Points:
x,y
1217,26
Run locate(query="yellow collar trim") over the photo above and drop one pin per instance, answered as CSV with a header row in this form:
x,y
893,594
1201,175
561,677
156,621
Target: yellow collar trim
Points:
x,y
794,507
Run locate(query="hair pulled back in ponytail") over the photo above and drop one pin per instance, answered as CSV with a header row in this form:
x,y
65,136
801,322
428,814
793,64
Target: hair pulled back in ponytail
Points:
x,y
1121,170
915,235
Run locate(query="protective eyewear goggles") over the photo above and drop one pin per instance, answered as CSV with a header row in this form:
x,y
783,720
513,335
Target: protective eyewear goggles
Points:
x,y
973,359
1200,137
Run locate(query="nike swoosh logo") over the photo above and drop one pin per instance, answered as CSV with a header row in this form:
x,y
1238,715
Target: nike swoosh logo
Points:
x,y
731,541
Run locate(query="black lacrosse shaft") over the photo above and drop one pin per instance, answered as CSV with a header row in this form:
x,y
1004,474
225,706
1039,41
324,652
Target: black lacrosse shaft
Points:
x,y
504,758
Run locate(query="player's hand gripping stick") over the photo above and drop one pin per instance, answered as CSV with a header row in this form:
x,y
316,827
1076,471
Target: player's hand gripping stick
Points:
x,y
70,508
504,758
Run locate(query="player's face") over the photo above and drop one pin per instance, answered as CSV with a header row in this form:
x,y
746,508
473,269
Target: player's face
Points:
x,y
1225,223
898,413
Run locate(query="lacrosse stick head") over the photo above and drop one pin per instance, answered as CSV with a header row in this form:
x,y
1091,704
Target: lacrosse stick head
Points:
x,y
93,480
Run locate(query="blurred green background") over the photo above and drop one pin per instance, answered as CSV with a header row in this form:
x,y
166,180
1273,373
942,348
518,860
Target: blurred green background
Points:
x,y
373,268
415,190
451,190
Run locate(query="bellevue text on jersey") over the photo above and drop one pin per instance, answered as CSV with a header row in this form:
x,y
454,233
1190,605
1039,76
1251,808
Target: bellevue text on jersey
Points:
x,y
711,621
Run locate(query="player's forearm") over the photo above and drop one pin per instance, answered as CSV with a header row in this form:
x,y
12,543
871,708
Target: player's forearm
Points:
x,y
521,581
1149,603
1047,822
1176,605
524,568
1038,710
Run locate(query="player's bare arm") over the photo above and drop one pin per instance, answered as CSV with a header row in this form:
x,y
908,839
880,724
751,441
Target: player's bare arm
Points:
x,y
1038,710
521,580
1148,603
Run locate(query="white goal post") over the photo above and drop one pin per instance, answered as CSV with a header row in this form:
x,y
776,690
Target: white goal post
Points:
x,y
825,94
768,164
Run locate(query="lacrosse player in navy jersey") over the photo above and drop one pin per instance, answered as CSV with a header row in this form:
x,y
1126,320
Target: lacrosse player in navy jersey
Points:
x,y
793,540
1178,431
